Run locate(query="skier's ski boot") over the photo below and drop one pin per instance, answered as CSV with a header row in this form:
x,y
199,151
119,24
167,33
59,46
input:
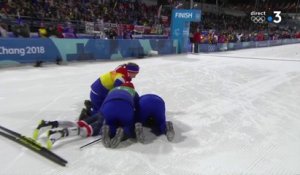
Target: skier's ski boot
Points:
x,y
139,132
54,135
88,106
117,138
83,114
105,136
42,127
170,133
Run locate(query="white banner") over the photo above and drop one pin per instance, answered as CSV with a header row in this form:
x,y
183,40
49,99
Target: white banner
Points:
x,y
89,27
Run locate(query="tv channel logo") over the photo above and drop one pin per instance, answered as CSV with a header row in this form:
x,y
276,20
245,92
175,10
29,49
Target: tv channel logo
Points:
x,y
262,17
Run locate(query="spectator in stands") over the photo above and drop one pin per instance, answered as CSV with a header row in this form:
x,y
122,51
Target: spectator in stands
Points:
x,y
52,31
297,35
260,36
42,32
127,12
21,30
69,31
3,30
222,38
25,30
60,31
127,34
112,34
239,36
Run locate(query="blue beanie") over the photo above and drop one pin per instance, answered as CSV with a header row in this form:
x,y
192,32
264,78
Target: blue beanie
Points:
x,y
132,68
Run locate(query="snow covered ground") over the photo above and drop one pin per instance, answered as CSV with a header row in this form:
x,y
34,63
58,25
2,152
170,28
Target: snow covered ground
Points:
x,y
234,113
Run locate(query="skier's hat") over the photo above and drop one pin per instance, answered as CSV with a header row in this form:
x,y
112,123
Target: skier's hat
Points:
x,y
132,67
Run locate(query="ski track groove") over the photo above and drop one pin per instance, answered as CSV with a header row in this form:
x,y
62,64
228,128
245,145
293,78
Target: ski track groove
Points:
x,y
263,152
248,92
149,165
42,109
26,151
11,163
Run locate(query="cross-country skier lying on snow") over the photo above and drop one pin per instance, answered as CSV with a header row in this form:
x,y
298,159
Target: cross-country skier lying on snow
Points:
x,y
107,81
116,120
115,117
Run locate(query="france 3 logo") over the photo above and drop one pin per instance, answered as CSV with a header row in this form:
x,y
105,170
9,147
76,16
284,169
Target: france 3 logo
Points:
x,y
262,17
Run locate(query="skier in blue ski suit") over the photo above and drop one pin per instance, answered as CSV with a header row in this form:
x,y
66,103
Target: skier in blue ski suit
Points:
x,y
152,110
122,115
116,117
118,109
152,113
107,81
114,120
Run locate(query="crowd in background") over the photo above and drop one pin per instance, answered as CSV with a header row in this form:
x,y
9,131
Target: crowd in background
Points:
x,y
123,18
213,37
82,10
222,28
51,13
289,6
225,28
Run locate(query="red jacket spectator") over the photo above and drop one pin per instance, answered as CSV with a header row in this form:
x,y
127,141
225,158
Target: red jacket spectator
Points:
x,y
60,31
197,37
260,37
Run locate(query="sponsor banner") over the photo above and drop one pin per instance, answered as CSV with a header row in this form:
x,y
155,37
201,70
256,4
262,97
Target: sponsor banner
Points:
x,y
164,19
238,45
246,44
243,45
141,36
139,29
210,47
287,41
231,46
223,46
99,26
213,48
89,27
275,42
26,50
114,25
262,44
106,25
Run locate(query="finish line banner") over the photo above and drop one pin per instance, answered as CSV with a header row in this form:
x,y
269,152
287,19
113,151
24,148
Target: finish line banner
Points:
x,y
180,26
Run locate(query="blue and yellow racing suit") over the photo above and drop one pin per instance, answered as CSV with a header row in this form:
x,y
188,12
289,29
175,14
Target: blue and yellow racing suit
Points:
x,y
101,87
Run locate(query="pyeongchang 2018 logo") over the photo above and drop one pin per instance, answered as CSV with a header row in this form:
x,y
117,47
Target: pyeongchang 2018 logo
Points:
x,y
262,17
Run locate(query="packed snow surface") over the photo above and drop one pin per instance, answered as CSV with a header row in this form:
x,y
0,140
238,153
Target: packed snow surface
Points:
x,y
235,112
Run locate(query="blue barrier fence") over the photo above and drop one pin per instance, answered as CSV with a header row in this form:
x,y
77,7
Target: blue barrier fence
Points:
x,y
30,50
244,45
